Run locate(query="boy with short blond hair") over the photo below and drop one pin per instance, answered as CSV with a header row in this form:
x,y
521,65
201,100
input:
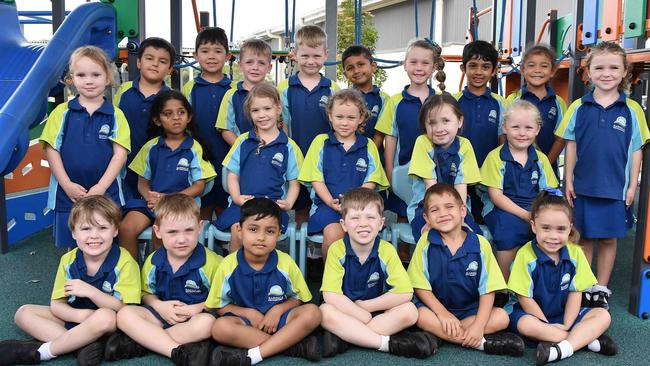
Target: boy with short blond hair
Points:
x,y
367,292
175,284
305,96
92,283
255,64
261,296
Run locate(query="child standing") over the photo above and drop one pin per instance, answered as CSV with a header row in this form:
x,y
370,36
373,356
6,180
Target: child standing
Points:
x,y
175,284
605,132
92,283
205,94
172,161
366,291
538,68
265,151
255,64
514,174
261,296
359,68
88,126
305,97
339,161
156,58
547,277
455,276
440,156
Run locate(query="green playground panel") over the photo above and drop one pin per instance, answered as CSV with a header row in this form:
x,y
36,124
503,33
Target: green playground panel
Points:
x,y
634,22
127,18
563,24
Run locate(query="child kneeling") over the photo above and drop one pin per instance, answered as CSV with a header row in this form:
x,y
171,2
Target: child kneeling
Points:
x,y
454,274
92,283
366,290
261,295
548,276
175,283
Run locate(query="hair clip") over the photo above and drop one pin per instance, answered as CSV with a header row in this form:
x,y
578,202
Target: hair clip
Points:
x,y
554,191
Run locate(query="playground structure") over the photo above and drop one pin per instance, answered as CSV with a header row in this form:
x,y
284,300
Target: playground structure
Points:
x,y
32,73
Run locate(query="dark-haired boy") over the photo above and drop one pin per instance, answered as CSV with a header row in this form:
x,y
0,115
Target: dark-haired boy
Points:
x,y
261,296
205,93
359,68
155,61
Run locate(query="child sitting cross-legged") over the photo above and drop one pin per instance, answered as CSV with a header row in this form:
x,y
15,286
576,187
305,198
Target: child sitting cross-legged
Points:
x,y
366,290
455,275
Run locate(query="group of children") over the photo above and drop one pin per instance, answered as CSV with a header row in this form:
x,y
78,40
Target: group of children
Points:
x,y
474,158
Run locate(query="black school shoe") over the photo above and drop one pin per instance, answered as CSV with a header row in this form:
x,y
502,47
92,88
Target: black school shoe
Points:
x,y
586,299
19,352
193,354
434,342
307,348
607,346
120,346
333,344
504,343
410,344
600,299
544,351
92,354
228,356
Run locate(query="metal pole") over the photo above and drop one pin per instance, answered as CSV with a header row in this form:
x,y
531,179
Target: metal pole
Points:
x,y
133,56
576,87
176,15
331,25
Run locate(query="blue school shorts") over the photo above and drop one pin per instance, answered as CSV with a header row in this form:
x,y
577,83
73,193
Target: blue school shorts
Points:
x,y
508,231
517,313
62,234
323,216
601,217
281,323
165,324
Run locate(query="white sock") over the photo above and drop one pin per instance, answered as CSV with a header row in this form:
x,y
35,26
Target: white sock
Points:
x,y
594,346
255,355
565,348
44,351
384,343
481,346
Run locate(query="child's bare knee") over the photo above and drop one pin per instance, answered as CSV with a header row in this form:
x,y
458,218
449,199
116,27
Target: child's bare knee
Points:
x,y
329,316
499,318
23,312
222,330
104,320
312,314
602,315
408,313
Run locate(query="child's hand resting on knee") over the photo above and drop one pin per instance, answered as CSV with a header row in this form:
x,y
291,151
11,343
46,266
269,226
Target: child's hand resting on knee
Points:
x,y
473,335
450,324
269,323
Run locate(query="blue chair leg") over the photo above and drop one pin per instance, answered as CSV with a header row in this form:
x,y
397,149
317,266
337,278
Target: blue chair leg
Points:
x,y
302,259
394,235
291,240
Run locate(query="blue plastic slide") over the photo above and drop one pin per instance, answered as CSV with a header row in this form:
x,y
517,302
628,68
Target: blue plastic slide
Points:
x,y
28,72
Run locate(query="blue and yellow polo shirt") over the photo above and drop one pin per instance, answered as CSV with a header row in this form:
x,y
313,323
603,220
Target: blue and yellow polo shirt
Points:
x,y
551,108
535,275
118,276
278,161
375,101
399,118
85,144
454,165
340,170
519,183
381,272
231,115
189,284
136,108
205,98
456,280
482,120
237,283
168,170
305,111
605,140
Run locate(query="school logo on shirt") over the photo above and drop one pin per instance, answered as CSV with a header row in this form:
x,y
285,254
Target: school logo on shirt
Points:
x,y
374,112
323,101
278,159
620,124
362,166
472,269
276,293
106,287
373,280
104,131
492,117
534,177
565,282
191,287
183,165
552,113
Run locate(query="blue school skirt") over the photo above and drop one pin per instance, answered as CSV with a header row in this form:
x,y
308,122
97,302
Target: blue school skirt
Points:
x,y
601,217
508,231
62,235
323,216
231,215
